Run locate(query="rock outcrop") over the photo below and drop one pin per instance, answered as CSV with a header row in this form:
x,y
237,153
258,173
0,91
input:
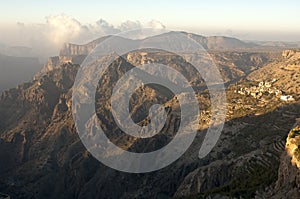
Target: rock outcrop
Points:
x,y
288,53
293,146
288,182
46,159
57,61
74,49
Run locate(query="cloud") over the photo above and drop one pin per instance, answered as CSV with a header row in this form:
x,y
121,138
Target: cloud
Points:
x,y
46,39
106,28
61,28
156,24
130,25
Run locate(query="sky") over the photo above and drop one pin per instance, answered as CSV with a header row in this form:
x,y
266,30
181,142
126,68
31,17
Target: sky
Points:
x,y
30,22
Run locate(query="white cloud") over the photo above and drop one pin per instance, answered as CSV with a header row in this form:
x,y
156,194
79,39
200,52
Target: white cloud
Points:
x,y
130,25
156,24
61,28
46,39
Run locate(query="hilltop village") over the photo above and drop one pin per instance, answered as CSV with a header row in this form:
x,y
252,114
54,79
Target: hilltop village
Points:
x,y
264,88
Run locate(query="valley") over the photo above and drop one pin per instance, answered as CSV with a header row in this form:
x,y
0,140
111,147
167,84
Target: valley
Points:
x,y
44,156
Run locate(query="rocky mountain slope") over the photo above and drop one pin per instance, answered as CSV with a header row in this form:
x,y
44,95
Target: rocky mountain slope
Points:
x,y
288,181
234,58
208,43
286,72
44,157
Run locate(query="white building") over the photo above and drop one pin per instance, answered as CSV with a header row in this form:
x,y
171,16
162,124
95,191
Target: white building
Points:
x,y
261,83
287,98
268,84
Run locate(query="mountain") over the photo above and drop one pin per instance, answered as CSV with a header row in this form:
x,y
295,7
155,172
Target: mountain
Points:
x,y
285,71
287,184
221,42
234,58
278,44
44,157
283,176
74,49
208,43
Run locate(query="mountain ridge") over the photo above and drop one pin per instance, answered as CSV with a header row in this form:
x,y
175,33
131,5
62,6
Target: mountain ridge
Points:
x,y
45,157
208,43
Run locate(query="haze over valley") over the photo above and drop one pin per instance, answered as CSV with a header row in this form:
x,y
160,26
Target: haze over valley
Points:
x,y
150,101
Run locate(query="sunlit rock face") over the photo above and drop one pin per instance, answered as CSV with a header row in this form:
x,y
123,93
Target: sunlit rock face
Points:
x,y
288,182
293,146
44,157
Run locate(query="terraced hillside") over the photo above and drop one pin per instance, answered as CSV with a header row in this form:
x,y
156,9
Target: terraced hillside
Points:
x,y
45,157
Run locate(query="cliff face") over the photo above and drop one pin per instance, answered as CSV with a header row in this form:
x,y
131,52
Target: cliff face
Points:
x,y
74,49
208,43
57,61
288,182
293,146
231,64
46,159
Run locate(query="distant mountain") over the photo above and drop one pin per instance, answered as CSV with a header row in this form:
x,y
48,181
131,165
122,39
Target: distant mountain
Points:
x,y
44,157
208,43
221,42
234,57
278,44
69,49
15,70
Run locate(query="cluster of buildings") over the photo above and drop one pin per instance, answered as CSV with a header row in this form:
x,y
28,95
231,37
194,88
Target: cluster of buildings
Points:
x,y
264,87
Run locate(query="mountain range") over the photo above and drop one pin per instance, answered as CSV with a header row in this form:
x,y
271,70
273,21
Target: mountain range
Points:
x,y
42,155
